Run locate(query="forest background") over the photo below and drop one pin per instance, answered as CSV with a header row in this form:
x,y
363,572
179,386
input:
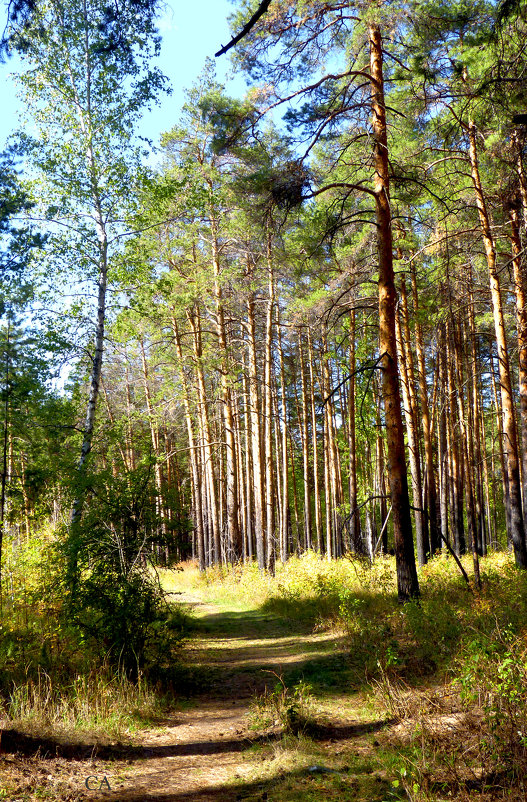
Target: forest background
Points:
x,y
278,337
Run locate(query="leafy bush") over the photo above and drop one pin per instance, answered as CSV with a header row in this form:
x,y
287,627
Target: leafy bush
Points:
x,y
125,619
492,677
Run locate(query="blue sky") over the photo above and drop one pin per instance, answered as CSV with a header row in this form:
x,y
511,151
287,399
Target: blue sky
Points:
x,y
191,30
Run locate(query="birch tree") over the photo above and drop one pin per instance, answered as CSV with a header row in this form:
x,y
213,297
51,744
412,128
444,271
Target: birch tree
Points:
x,y
88,78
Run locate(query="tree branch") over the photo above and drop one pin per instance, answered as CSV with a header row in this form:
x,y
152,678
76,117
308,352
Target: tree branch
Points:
x,y
260,11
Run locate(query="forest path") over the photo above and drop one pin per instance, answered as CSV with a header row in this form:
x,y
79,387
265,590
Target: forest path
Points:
x,y
207,751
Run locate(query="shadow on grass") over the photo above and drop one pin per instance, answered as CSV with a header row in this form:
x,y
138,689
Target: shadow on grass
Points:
x,y
240,624
325,674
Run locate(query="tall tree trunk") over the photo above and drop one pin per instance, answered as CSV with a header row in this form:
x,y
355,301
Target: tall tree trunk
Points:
x,y
256,434
355,532
284,523
507,401
456,461
407,583
268,413
443,453
467,458
316,476
305,448
231,465
408,363
197,502
193,317
249,483
381,479
333,499
501,443
520,289
154,439
430,480
475,426
413,449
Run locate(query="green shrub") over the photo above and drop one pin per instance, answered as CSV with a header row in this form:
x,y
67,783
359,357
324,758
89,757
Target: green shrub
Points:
x,y
291,708
125,620
492,677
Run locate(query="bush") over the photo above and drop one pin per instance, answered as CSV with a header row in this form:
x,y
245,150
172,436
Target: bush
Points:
x,y
492,677
124,619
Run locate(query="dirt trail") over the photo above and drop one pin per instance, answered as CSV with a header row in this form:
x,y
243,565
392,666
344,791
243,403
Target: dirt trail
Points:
x,y
199,752
206,750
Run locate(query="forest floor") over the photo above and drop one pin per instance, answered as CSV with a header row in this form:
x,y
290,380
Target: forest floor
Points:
x,y
223,743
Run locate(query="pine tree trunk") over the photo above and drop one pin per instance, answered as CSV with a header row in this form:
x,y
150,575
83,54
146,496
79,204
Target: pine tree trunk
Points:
x,y
430,481
475,426
197,501
407,583
206,437
501,441
231,466
256,435
355,532
316,478
507,401
415,468
520,289
456,462
305,448
284,523
268,422
154,439
467,458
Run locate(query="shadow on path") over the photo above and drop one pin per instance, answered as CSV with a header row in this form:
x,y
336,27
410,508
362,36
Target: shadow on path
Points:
x,y
15,742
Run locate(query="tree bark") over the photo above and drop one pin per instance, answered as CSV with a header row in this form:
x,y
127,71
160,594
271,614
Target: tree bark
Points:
x,y
197,502
256,434
520,289
413,448
407,582
507,401
430,480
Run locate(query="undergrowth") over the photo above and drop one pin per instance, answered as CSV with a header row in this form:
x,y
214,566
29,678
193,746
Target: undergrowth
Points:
x,y
290,708
61,672
450,667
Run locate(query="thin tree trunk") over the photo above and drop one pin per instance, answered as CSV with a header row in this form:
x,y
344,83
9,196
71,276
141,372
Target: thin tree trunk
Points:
x,y
476,425
507,401
430,481
456,471
520,289
154,438
197,502
268,428
501,441
469,467
305,449
316,478
284,528
256,435
413,448
355,532
231,466
443,452
208,464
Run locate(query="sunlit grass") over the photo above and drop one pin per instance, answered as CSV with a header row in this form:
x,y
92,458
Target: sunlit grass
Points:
x,y
100,703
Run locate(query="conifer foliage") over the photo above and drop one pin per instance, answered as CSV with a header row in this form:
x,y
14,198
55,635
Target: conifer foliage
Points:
x,y
306,333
